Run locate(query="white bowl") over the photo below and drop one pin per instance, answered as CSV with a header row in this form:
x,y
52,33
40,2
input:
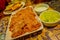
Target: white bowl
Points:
x,y
41,7
50,24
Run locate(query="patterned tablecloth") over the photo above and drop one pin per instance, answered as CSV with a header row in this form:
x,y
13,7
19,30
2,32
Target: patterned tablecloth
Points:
x,y
45,34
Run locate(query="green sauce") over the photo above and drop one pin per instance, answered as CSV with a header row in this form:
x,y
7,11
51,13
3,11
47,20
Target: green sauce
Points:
x,y
50,16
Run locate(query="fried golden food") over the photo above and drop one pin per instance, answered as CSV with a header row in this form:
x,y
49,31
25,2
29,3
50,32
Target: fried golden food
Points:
x,y
13,7
23,21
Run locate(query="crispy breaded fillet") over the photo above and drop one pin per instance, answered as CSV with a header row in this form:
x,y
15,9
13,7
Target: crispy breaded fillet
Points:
x,y
23,21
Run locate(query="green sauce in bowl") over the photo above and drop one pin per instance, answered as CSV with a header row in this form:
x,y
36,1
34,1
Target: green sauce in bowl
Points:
x,y
50,16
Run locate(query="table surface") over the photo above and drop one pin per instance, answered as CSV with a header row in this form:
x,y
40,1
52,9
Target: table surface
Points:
x,y
45,34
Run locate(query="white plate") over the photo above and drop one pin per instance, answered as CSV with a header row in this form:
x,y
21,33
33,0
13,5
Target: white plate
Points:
x,y
8,33
9,12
